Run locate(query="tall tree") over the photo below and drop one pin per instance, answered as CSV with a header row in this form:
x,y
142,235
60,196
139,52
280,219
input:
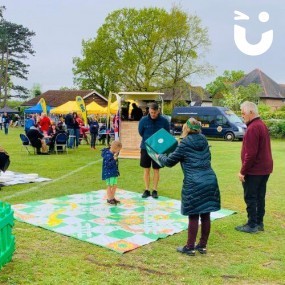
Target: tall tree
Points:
x,y
142,50
222,83
225,93
15,44
36,90
234,96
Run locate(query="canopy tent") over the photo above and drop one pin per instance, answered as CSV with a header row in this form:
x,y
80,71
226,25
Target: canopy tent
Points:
x,y
141,96
96,109
36,109
115,106
70,106
7,109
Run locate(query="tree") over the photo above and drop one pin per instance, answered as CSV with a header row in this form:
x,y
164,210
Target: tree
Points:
x,y
143,50
225,93
36,90
223,84
15,44
232,98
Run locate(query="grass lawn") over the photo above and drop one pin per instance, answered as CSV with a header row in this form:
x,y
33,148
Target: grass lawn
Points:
x,y
45,257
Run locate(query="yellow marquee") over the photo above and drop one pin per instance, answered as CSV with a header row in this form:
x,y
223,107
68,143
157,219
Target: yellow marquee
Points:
x,y
70,106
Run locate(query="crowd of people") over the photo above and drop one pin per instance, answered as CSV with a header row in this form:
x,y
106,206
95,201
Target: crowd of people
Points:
x,y
42,131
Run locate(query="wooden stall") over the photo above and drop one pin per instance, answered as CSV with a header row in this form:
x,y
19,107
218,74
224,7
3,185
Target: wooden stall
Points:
x,y
128,130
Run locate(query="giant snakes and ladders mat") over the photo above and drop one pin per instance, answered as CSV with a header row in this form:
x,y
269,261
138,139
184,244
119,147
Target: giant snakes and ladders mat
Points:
x,y
127,226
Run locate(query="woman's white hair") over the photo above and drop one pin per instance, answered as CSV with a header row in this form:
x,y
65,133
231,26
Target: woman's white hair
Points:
x,y
248,107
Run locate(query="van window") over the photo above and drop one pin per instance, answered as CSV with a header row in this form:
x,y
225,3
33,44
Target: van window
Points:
x,y
221,120
232,117
206,120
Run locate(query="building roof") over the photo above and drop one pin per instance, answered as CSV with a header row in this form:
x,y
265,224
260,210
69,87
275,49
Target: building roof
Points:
x,y
270,89
7,109
282,87
56,98
198,93
195,94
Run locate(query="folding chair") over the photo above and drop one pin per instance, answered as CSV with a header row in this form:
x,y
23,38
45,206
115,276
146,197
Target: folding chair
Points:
x,y
60,143
27,144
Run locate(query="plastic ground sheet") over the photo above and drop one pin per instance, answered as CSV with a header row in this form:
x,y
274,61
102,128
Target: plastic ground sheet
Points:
x,y
132,223
12,178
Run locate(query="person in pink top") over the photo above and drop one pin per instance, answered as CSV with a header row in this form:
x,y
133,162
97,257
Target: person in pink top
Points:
x,y
257,165
83,129
45,123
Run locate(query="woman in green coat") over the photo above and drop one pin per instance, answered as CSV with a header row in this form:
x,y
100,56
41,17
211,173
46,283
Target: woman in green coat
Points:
x,y
200,192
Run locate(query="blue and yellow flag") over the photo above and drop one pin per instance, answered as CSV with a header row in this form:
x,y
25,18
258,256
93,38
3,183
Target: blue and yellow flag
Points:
x,y
81,104
43,105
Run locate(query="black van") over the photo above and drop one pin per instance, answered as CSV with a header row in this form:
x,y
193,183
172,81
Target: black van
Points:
x,y
216,122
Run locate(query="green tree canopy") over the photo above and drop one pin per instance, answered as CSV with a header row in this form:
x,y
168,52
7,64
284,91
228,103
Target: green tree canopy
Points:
x,y
35,90
233,97
225,93
223,83
143,50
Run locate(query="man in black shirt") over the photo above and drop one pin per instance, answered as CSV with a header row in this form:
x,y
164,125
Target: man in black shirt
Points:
x,y
136,113
37,140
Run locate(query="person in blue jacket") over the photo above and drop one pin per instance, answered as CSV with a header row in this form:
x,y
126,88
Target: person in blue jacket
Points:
x,y
110,170
200,191
93,128
6,122
29,122
148,125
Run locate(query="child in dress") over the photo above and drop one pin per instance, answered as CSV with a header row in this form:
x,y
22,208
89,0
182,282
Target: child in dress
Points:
x,y
110,170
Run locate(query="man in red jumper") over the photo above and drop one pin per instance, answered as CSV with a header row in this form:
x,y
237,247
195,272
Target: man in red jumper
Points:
x,y
257,164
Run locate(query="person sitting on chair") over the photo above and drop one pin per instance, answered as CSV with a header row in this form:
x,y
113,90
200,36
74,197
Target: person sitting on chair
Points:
x,y
52,132
37,140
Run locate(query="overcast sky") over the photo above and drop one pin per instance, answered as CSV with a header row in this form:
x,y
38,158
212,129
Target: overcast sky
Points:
x,y
61,25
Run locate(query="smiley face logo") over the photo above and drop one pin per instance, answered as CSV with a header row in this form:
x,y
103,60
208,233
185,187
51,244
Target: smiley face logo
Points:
x,y
240,36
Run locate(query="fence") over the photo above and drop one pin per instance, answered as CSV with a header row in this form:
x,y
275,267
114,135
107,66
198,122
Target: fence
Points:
x,y
7,240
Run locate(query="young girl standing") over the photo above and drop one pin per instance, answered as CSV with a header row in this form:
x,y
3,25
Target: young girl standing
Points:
x,y
110,170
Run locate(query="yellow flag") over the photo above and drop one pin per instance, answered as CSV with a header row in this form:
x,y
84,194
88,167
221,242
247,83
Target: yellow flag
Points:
x,y
109,109
81,104
43,105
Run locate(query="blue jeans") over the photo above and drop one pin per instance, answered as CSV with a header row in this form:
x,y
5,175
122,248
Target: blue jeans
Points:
x,y
71,138
6,126
93,139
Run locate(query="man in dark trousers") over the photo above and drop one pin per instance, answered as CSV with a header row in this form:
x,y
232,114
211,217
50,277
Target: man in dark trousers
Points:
x,y
149,125
70,125
257,164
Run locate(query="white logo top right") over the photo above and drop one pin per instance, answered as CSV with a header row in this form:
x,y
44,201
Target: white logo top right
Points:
x,y
240,36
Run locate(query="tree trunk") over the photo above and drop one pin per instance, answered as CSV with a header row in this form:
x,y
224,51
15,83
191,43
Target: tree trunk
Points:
x,y
6,78
1,75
